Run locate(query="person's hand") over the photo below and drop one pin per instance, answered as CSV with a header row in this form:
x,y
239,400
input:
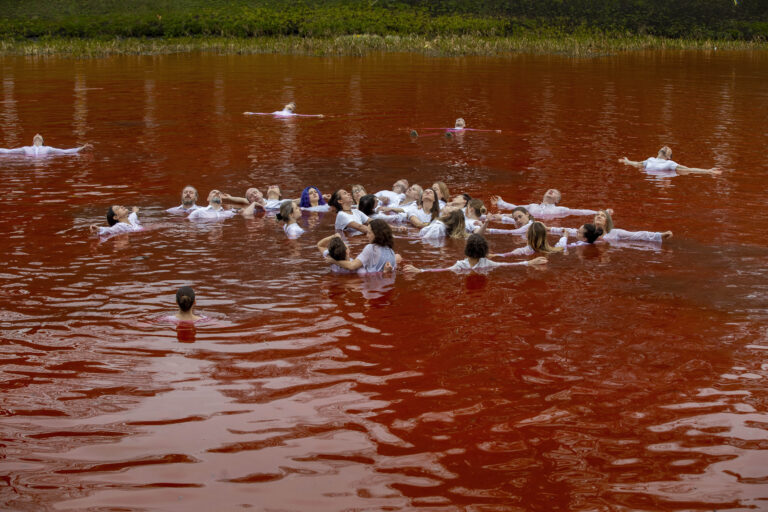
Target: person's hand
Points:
x,y
87,145
410,269
328,259
400,229
495,200
384,201
327,197
715,171
225,196
247,113
94,228
624,160
541,260
387,267
496,217
609,211
666,235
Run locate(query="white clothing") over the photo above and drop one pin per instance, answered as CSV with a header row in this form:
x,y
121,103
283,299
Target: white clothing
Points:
x,y
660,167
528,250
133,224
293,230
273,204
546,210
386,218
181,210
435,230
374,257
318,208
283,113
394,198
420,214
573,232
482,264
343,219
522,230
622,235
208,213
40,151
471,224
336,268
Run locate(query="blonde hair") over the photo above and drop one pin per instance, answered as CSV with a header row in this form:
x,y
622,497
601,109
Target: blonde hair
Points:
x,y
443,188
478,207
455,226
537,239
608,221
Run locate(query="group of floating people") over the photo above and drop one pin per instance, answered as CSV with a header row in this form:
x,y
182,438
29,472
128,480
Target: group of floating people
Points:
x,y
433,213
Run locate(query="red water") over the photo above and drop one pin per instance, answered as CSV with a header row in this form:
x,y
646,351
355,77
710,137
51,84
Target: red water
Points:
x,y
614,379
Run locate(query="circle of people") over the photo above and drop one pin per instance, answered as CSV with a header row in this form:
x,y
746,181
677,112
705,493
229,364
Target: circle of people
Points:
x,y
433,211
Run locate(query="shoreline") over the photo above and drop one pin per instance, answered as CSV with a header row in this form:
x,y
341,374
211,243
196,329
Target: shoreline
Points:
x,y
592,44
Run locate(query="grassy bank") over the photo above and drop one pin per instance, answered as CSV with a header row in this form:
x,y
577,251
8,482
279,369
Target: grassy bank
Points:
x,y
577,45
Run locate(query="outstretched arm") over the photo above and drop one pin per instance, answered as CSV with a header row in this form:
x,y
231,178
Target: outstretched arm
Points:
x,y
323,244
682,170
233,199
57,151
353,265
11,151
626,161
500,203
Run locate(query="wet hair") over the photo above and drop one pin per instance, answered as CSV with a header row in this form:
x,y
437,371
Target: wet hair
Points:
x,y
591,233
443,191
334,200
304,201
477,247
286,209
455,226
435,210
185,298
537,239
525,211
111,219
337,249
608,221
467,198
382,233
477,206
367,204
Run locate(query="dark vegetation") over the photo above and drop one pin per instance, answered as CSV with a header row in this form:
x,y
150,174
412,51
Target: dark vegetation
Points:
x,y
109,19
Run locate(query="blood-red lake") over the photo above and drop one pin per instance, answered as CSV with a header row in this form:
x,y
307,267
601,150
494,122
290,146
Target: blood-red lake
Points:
x,y
615,377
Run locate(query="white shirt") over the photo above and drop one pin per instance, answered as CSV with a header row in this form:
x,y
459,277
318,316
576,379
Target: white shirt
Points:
x,y
522,230
293,230
318,208
283,113
394,198
660,167
528,250
133,224
482,264
343,219
435,230
420,214
273,204
40,151
546,210
619,235
181,210
208,213
375,257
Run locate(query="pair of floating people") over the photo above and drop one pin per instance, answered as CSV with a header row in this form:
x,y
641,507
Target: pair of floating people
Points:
x,y
37,149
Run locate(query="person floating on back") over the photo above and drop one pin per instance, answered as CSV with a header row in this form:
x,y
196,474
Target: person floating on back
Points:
x,y
37,149
663,165
288,111
120,220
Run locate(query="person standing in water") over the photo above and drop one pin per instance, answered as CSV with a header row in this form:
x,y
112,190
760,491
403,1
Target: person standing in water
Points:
x,y
188,199
663,165
37,149
185,299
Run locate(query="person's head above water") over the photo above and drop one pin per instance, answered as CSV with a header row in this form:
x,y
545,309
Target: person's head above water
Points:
x,y
367,204
477,247
552,196
381,233
189,196
37,140
460,123
185,298
522,216
665,153
253,195
273,192
289,211
454,223
337,249
441,189
341,200
414,193
476,208
290,107
400,186
116,213
311,196
589,233
214,198
604,220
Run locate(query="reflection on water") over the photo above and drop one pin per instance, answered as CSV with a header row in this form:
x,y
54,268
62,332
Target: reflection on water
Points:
x,y
616,377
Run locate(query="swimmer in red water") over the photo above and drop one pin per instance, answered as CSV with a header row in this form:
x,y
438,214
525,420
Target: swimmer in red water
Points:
x,y
185,298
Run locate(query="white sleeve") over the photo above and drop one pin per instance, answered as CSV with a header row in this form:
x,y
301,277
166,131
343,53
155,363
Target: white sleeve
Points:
x,y
505,205
563,242
635,236
133,219
64,151
509,263
522,251
573,211
362,218
342,219
11,151
564,231
112,230
507,220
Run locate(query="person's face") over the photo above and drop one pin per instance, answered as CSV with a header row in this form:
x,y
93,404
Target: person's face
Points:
x,y
552,196
667,152
273,192
428,196
399,187
459,200
314,197
581,233
290,107
253,195
460,123
120,211
188,195
214,197
436,190
345,199
521,219
413,192
600,220
369,234
296,212
357,193
37,140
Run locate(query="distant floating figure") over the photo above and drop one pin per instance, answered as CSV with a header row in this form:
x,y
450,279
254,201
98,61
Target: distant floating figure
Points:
x,y
288,111
459,126
37,149
663,165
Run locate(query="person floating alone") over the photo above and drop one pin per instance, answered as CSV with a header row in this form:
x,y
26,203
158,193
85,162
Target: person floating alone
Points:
x,y
37,149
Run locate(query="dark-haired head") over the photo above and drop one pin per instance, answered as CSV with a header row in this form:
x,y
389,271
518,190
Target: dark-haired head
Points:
x,y
337,249
334,200
477,207
382,233
185,298
305,201
525,213
111,217
477,247
590,233
367,204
